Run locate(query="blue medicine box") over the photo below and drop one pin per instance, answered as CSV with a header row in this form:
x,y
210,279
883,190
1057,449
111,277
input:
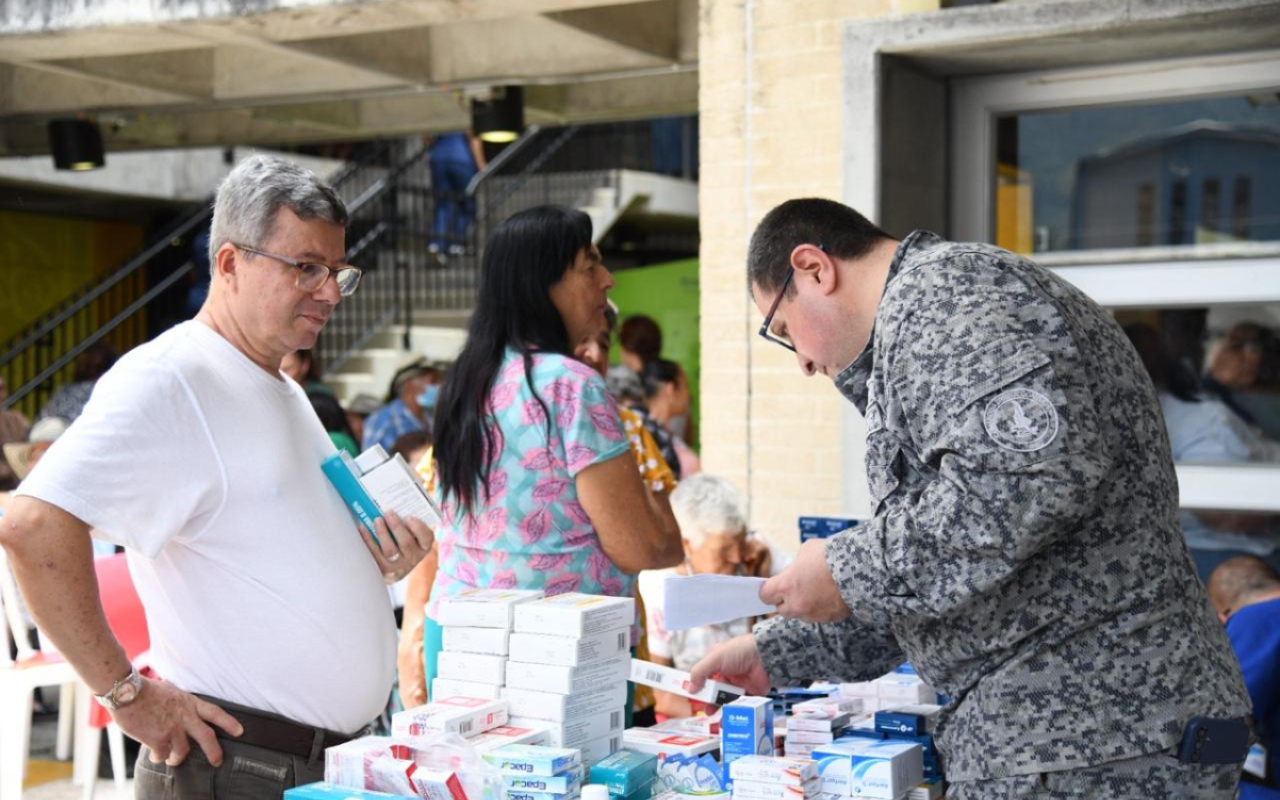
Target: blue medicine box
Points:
x,y
901,723
822,527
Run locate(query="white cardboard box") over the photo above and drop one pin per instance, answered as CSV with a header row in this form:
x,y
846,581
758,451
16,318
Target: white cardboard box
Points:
x,y
465,716
667,743
575,615
577,732
568,680
771,769
563,707
507,734
538,648
885,770
754,790
483,608
670,679
597,749
472,667
444,687
485,641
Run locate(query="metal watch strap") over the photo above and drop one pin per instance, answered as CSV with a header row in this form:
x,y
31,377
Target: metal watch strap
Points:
x,y
108,700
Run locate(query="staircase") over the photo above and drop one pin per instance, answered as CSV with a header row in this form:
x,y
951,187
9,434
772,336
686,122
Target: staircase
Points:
x,y
411,302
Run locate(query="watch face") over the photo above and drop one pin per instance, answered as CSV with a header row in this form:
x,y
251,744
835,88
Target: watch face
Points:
x,y
126,693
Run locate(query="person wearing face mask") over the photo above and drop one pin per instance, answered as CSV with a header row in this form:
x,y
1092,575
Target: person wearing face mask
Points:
x,y
409,406
1023,550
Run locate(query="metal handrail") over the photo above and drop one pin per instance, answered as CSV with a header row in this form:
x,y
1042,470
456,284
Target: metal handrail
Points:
x,y
527,173
499,161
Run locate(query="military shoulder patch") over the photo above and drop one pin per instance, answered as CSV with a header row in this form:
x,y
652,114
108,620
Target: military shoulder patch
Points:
x,y
1022,420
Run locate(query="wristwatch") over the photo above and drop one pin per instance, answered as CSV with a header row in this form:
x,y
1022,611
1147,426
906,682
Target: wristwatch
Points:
x,y
123,692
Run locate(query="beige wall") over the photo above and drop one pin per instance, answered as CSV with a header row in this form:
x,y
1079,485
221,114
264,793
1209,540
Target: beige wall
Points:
x,y
770,130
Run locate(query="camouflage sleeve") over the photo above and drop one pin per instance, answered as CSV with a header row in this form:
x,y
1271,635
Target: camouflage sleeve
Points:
x,y
1011,444
794,652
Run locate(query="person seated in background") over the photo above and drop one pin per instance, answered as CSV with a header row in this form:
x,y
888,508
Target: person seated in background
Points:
x,y
305,369
359,410
1242,373
68,401
409,406
335,423
666,390
713,523
640,341
1205,430
14,427
1245,591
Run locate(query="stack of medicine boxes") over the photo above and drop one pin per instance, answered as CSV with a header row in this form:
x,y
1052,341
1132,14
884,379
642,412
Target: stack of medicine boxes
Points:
x,y
476,634
538,773
746,729
570,656
772,778
814,723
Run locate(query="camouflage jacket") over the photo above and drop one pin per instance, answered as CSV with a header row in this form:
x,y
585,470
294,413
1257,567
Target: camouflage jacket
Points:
x,y
1025,553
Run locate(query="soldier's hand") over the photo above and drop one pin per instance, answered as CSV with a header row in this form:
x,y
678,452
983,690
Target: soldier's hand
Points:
x,y
736,661
401,544
805,590
166,719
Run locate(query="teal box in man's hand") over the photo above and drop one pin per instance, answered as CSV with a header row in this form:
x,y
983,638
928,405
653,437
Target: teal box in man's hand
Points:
x,y
344,475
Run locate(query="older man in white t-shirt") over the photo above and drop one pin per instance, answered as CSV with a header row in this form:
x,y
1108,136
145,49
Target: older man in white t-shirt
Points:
x,y
269,618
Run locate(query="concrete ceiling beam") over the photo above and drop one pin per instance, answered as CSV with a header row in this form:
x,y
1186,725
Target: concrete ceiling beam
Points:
x,y
649,27
184,73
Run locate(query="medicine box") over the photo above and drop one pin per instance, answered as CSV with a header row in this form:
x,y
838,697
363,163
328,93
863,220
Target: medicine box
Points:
x,y
564,707
579,731
443,687
465,716
831,706
504,735
568,680
885,769
520,794
900,688
525,759
930,789
910,720
666,743
809,737
472,667
485,641
564,783
483,608
765,769
597,749
669,679
576,615
327,791
816,721
537,648
746,729
824,527
753,790
625,771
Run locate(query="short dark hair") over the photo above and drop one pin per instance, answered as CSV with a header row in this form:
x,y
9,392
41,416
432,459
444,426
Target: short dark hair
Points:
x,y
406,443
841,231
642,336
658,373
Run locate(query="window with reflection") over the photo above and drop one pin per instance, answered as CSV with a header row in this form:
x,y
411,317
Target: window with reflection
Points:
x,y
1217,375
1181,174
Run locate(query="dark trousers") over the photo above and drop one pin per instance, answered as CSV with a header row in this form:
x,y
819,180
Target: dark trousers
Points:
x,y
247,771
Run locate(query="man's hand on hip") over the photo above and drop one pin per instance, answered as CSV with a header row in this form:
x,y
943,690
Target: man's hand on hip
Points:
x,y
737,661
165,719
401,544
806,590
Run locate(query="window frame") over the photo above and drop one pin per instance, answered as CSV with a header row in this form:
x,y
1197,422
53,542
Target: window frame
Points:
x,y
1148,277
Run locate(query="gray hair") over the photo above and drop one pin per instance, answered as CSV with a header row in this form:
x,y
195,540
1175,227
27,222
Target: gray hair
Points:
x,y
707,504
251,196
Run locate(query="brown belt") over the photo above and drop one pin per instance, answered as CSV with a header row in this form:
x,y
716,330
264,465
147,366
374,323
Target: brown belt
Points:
x,y
274,732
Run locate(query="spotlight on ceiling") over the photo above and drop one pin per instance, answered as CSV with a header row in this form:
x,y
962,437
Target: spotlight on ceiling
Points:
x,y
500,119
76,144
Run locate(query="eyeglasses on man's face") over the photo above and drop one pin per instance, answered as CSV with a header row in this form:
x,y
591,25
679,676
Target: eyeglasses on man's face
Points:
x,y
312,276
765,333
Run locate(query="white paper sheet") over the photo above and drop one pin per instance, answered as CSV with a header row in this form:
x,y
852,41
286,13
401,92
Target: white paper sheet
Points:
x,y
693,600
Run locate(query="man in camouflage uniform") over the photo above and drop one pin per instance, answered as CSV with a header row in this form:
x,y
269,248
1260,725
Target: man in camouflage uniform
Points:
x,y
1024,553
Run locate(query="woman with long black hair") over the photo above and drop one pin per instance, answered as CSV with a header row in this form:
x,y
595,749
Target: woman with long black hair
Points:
x,y
537,486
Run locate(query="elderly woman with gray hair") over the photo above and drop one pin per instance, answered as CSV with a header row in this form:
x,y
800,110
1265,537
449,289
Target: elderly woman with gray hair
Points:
x,y
713,523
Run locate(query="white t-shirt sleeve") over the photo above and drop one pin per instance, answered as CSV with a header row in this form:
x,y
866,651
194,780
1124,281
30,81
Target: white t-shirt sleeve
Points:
x,y
138,464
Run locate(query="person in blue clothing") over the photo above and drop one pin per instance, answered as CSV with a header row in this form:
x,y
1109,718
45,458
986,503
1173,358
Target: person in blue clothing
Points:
x,y
455,159
409,407
1245,591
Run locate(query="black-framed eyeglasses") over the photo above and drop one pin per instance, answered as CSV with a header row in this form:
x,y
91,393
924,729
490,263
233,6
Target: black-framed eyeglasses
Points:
x,y
768,318
312,276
